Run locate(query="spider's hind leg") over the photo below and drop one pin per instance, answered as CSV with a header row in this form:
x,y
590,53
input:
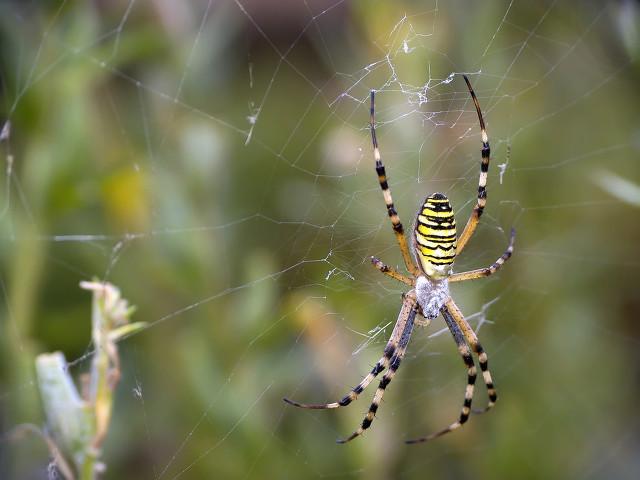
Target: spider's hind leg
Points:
x,y
390,352
477,348
394,364
465,353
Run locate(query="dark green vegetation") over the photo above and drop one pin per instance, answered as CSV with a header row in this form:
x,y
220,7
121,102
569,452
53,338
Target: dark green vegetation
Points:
x,y
245,245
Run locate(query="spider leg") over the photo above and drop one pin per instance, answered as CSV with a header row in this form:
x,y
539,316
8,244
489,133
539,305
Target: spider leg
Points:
x,y
465,353
391,272
357,390
386,379
389,352
490,270
483,360
472,223
398,229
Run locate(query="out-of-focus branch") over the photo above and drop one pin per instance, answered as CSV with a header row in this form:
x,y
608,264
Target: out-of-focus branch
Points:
x,y
77,425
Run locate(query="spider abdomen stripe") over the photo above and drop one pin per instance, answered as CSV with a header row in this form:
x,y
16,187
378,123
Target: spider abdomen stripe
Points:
x,y
439,238
439,261
431,245
435,233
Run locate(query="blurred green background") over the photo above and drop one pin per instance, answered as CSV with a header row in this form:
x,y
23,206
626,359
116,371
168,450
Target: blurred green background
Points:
x,y
212,160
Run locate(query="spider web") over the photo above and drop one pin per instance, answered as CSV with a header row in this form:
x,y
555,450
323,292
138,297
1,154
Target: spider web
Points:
x,y
213,160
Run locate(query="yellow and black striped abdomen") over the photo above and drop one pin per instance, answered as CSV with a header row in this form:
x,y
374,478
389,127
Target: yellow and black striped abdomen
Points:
x,y
435,236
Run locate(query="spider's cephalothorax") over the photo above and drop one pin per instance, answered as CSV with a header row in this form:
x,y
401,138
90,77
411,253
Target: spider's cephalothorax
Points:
x,y
435,247
435,240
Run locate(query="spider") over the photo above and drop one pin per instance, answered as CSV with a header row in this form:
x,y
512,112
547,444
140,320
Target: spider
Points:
x,y
435,247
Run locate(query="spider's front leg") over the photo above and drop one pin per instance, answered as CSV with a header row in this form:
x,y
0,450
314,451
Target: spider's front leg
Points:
x,y
481,202
398,229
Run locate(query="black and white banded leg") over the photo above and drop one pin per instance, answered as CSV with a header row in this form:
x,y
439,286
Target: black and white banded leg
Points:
x,y
390,351
391,272
476,347
465,353
398,229
394,364
481,202
490,270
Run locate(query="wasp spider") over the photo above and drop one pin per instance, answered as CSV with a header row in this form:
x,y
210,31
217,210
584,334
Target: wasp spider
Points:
x,y
435,247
